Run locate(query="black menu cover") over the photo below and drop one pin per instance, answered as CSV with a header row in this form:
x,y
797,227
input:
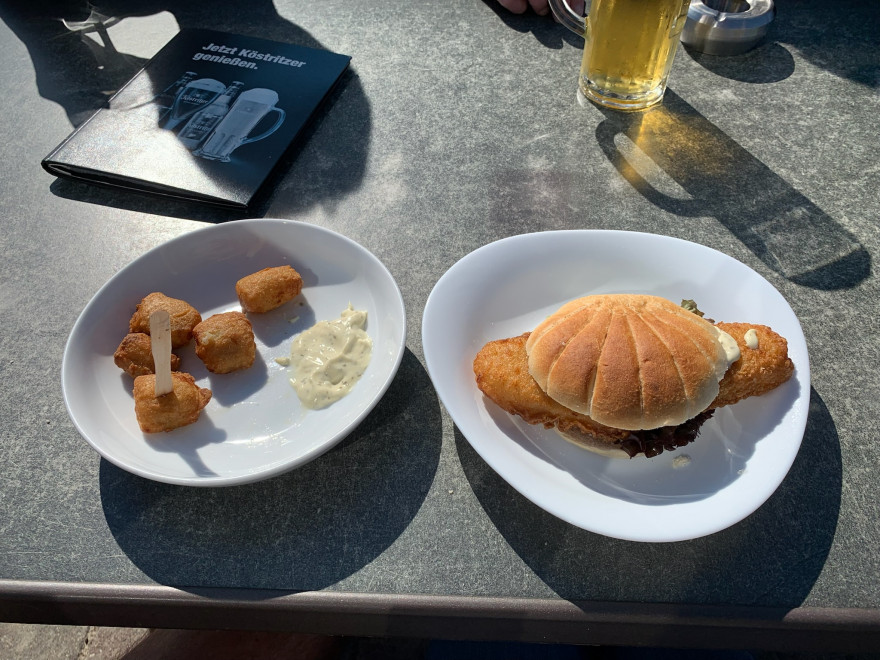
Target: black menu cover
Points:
x,y
206,119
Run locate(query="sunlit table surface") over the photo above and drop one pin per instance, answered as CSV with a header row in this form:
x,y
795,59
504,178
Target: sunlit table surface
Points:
x,y
457,125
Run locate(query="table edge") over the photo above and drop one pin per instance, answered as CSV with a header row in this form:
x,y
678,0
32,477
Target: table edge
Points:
x,y
477,618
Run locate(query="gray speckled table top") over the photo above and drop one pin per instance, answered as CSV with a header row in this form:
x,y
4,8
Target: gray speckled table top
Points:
x,y
457,126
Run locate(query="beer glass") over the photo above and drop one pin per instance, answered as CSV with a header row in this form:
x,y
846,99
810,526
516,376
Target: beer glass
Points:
x,y
628,50
234,130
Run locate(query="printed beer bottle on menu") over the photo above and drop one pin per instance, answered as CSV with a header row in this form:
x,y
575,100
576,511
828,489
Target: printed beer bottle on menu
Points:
x,y
193,98
164,101
204,121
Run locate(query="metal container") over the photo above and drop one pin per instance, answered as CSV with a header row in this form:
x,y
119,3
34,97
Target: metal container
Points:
x,y
727,27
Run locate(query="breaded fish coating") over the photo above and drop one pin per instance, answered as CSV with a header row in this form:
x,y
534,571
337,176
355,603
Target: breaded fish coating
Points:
x,y
502,373
758,370
184,317
178,408
135,355
267,289
225,342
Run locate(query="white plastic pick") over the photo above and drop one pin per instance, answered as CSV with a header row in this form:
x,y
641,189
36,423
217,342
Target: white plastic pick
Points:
x,y
160,343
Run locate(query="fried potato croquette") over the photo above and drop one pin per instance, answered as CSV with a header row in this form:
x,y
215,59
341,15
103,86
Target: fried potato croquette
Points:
x,y
268,289
502,372
135,355
184,317
225,342
179,407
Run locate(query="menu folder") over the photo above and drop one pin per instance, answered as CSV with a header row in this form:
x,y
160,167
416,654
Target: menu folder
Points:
x,y
206,119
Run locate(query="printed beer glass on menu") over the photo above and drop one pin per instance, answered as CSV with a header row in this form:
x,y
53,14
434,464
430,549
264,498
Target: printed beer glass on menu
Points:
x,y
628,50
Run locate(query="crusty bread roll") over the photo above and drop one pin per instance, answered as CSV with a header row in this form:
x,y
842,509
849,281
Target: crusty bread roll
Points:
x,y
628,361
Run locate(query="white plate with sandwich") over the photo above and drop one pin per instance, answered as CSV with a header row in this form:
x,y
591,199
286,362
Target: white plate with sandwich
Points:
x,y
739,458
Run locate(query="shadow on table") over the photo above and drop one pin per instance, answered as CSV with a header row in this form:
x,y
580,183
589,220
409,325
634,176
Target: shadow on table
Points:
x,y
683,164
78,66
841,40
772,558
547,31
303,530
767,63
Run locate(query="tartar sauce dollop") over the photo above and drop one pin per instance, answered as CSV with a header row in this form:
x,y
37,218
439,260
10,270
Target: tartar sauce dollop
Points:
x,y
329,358
730,347
751,338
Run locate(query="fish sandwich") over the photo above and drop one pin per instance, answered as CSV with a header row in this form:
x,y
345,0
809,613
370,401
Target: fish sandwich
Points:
x,y
627,374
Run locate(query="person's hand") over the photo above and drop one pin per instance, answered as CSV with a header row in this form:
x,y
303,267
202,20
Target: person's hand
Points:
x,y
540,7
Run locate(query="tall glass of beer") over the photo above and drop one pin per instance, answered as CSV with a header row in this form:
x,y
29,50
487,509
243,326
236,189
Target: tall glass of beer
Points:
x,y
628,50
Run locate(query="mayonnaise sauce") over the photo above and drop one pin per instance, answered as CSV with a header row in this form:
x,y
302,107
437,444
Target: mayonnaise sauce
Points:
x,y
751,338
730,347
329,358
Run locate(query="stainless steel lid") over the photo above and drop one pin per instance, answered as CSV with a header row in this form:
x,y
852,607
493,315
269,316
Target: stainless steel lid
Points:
x,y
727,27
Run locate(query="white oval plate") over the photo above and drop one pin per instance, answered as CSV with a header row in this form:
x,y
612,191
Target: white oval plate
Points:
x,y
254,426
506,288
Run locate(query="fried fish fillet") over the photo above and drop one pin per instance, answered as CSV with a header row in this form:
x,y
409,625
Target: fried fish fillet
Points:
x,y
502,373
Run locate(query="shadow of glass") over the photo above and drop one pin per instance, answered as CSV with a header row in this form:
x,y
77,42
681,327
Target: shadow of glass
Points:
x,y
76,71
80,68
683,164
302,530
772,558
